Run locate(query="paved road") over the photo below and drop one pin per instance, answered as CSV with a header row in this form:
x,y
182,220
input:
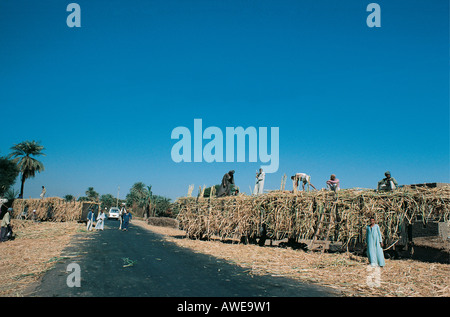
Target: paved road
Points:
x,y
162,269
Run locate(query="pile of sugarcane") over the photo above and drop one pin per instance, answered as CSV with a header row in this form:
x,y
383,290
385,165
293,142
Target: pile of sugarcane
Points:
x,y
282,214
49,209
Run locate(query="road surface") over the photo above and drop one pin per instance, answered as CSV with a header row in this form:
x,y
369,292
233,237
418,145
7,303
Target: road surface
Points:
x,y
159,269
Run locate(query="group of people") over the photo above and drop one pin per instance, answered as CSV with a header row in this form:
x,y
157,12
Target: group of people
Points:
x,y
227,184
99,225
386,184
124,218
373,234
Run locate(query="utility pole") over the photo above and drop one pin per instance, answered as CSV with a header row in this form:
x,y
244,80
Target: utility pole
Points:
x,y
117,201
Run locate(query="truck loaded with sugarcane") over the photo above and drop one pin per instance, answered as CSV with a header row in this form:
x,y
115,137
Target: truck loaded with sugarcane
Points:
x,y
53,209
317,220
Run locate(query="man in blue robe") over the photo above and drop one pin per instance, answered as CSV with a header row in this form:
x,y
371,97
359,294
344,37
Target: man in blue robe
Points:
x,y
90,220
126,220
374,244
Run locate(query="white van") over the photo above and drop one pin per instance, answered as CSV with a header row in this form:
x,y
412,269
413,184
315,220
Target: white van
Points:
x,y
114,213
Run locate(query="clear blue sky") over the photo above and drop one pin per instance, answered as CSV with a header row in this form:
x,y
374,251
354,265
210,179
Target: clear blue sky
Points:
x,y
103,99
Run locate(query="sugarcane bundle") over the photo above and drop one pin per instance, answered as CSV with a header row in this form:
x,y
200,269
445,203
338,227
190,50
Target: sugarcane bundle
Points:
x,y
298,215
51,208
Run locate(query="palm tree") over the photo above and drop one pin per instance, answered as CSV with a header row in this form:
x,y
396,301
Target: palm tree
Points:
x,y
22,156
148,205
11,194
138,195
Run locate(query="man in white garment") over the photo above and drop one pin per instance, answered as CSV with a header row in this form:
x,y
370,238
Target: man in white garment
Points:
x,y
43,192
121,213
259,186
100,220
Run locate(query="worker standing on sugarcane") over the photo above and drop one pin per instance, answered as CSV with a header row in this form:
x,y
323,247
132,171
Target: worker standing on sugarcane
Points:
x,y
225,185
333,183
259,186
301,177
43,192
388,183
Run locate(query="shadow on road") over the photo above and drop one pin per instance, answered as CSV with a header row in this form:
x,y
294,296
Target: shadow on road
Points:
x,y
138,263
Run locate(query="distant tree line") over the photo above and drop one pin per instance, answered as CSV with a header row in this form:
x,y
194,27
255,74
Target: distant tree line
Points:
x,y
23,161
140,200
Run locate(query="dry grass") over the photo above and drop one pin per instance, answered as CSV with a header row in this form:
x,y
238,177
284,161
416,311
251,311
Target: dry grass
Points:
x,y
345,272
35,250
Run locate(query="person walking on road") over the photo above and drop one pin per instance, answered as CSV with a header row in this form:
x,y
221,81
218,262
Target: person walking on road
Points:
x,y
126,220
121,213
90,220
100,221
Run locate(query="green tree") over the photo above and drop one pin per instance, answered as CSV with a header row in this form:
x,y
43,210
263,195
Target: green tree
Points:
x,y
108,201
142,196
91,194
138,195
162,207
207,191
22,154
8,174
11,194
69,197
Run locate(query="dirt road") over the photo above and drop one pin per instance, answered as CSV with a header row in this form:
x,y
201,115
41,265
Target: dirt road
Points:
x,y
140,263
